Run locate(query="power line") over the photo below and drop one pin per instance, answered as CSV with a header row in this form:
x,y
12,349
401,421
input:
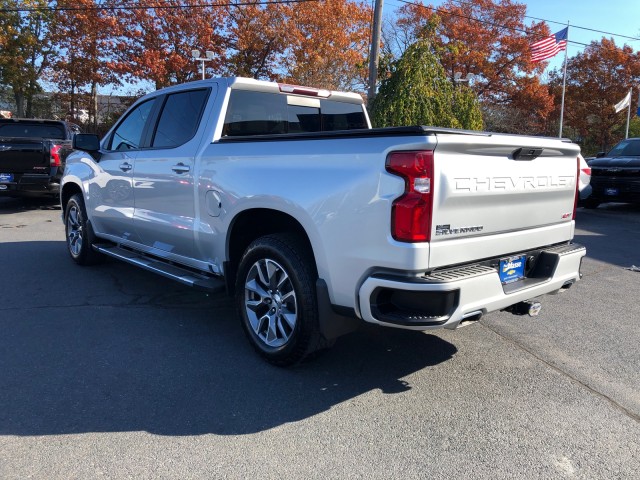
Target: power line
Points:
x,y
585,28
462,2
149,7
485,22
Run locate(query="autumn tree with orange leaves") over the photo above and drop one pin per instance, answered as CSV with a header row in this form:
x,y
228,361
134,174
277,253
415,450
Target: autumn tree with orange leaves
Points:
x,y
256,39
489,39
322,44
83,34
597,79
154,40
328,44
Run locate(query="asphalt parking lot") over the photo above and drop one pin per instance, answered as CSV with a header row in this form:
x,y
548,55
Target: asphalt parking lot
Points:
x,y
112,372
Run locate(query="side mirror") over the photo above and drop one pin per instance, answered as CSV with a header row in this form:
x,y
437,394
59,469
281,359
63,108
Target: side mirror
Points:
x,y
600,154
88,142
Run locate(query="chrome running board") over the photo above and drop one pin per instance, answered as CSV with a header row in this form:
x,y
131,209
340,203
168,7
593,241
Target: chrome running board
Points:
x,y
180,274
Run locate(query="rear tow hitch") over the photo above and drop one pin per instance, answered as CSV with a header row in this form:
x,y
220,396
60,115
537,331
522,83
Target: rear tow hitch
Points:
x,y
528,307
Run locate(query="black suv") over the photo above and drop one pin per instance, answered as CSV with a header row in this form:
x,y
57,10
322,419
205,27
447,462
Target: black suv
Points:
x,y
615,176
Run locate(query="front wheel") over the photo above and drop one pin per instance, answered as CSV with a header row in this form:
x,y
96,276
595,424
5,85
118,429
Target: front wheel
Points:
x,y
276,298
78,233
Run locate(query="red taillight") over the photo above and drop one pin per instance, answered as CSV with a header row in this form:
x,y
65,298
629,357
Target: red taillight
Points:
x,y
54,154
577,197
411,213
586,171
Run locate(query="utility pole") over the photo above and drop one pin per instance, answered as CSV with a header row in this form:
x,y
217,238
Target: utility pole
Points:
x,y
375,50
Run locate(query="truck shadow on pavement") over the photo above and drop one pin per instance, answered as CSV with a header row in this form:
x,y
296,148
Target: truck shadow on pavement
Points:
x,y
112,348
17,205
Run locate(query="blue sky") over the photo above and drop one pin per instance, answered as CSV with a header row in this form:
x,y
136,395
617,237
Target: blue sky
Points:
x,y
615,16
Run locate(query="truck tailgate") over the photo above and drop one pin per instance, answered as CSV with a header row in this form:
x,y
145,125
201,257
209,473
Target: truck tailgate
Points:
x,y
23,155
490,201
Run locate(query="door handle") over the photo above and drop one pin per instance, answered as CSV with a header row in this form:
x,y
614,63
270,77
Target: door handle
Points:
x,y
125,167
181,168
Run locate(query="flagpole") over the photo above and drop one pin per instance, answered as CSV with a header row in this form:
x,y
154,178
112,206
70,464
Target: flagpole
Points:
x,y
626,135
564,81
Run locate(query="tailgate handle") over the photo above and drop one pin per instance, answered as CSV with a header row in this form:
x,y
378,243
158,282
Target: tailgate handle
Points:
x,y
527,153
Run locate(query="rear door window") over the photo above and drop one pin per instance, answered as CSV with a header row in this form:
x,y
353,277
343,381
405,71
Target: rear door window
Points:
x,y
180,118
255,113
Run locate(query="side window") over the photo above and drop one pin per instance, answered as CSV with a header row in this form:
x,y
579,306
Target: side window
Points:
x,y
255,113
128,135
180,118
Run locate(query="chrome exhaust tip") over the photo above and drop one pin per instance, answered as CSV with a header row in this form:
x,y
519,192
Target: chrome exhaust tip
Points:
x,y
528,307
469,318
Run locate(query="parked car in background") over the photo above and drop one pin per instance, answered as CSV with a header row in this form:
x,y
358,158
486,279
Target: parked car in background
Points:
x,y
615,176
32,156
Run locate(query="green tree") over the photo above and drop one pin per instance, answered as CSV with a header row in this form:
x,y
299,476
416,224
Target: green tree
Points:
x,y
483,37
24,48
634,127
418,92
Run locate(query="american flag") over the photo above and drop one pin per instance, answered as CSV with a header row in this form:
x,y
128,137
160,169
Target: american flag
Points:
x,y
549,46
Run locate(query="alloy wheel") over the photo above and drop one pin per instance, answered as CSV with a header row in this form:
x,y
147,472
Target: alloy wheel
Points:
x,y
270,302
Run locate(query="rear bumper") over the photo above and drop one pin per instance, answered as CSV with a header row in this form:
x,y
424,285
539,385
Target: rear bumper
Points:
x,y
447,297
31,186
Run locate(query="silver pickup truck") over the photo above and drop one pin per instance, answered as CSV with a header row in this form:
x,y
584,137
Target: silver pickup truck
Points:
x,y
285,197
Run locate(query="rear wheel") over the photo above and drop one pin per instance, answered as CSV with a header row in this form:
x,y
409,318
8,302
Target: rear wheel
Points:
x,y
276,298
78,233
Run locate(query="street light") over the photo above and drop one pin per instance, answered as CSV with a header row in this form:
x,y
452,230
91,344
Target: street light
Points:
x,y
196,56
457,78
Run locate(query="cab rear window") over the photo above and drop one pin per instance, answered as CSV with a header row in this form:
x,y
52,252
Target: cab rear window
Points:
x,y
32,130
259,113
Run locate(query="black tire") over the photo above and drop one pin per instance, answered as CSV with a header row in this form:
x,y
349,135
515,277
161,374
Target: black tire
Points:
x,y
78,233
277,301
591,203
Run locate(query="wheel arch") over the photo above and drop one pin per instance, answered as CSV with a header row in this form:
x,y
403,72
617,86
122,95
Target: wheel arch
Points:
x,y
253,223
68,190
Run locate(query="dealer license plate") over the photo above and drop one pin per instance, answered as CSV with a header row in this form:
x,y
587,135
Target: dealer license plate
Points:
x,y
512,269
611,191
6,177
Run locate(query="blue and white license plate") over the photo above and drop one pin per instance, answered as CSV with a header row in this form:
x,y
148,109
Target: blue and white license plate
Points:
x,y
512,269
6,177
611,191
